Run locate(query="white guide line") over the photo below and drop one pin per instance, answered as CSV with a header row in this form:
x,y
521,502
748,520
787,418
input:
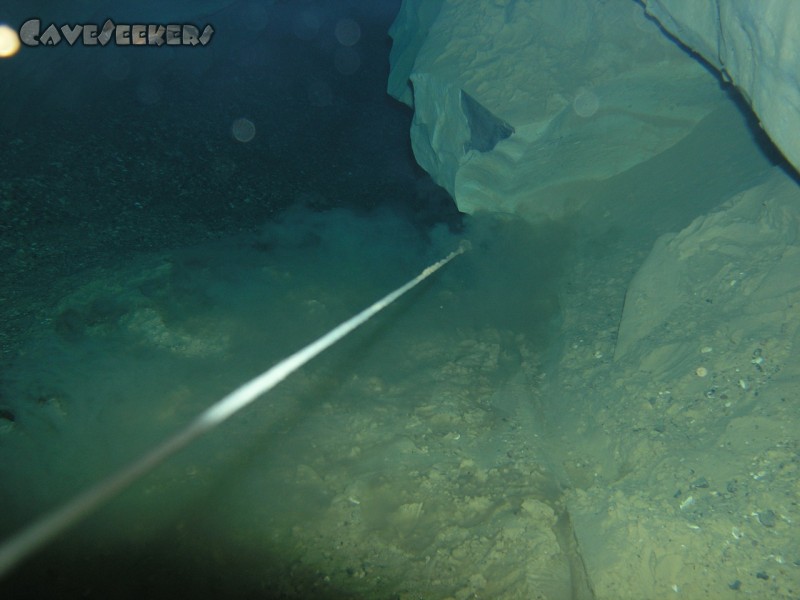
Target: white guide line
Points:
x,y
40,532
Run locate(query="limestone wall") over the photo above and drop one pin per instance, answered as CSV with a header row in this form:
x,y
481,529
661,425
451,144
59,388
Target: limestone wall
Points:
x,y
754,45
521,106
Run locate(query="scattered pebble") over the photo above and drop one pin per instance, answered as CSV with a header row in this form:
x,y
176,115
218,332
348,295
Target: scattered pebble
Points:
x,y
766,518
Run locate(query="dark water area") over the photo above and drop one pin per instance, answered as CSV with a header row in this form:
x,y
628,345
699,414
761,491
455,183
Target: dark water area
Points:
x,y
110,151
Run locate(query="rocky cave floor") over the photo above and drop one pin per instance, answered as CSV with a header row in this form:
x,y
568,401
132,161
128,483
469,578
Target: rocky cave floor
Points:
x,y
453,474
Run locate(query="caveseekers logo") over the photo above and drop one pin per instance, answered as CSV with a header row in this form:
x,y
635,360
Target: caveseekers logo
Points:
x,y
122,34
